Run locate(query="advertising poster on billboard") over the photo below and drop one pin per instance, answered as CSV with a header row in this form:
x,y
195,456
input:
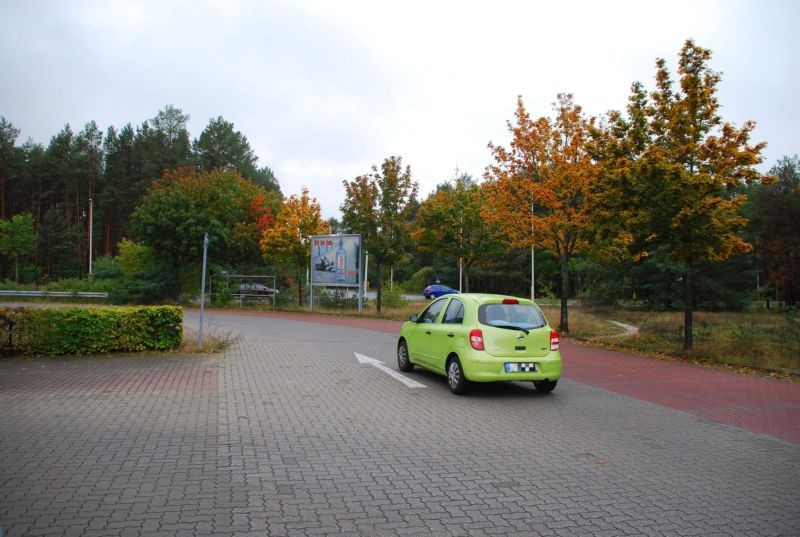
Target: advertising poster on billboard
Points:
x,y
335,260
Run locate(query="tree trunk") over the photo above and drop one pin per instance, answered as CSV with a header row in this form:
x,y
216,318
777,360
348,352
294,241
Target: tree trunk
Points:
x,y
299,287
564,324
688,297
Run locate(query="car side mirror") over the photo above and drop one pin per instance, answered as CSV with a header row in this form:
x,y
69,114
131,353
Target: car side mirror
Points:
x,y
414,318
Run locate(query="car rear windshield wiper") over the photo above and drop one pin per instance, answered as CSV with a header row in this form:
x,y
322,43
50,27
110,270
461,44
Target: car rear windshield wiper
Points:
x,y
512,327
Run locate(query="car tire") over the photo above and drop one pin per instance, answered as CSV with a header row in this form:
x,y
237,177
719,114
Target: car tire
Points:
x,y
455,377
545,386
404,362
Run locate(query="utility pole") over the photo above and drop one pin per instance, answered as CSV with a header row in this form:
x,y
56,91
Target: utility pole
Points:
x,y
90,238
533,268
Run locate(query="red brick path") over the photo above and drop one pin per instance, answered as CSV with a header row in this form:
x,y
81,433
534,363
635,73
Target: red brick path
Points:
x,y
762,405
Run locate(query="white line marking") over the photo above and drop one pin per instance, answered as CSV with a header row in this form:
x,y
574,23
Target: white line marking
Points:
x,y
389,371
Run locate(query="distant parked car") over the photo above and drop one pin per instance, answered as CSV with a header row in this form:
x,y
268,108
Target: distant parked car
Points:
x,y
256,289
482,338
437,290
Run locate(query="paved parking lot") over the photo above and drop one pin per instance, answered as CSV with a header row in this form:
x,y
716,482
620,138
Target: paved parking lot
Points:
x,y
287,433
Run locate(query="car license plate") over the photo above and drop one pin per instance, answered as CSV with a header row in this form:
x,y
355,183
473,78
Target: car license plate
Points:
x,y
513,367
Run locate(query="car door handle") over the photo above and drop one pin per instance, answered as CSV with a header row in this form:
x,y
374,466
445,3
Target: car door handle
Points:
x,y
451,335
428,332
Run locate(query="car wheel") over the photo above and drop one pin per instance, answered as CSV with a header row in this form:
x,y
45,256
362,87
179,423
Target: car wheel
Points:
x,y
545,386
455,377
403,360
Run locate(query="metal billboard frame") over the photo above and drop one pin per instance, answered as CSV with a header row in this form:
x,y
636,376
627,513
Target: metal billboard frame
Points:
x,y
343,269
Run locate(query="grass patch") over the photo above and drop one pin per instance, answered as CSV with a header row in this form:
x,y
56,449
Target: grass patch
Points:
x,y
214,340
584,324
762,341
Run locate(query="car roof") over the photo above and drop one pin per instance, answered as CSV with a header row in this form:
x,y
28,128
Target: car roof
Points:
x,y
486,298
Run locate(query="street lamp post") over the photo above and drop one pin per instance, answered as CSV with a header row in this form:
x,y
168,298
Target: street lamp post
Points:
x,y
533,268
533,277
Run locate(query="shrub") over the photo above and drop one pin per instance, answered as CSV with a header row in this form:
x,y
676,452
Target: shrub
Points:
x,y
392,297
79,330
420,279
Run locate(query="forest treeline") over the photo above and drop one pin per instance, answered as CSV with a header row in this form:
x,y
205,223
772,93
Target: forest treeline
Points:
x,y
114,169
660,204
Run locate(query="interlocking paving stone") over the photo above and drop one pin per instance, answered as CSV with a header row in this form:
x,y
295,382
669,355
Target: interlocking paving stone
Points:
x,y
287,434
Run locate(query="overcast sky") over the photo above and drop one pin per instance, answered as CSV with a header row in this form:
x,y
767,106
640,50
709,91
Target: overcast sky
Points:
x,y
325,89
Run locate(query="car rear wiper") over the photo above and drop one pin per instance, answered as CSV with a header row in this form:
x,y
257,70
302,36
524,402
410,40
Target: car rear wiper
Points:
x,y
512,327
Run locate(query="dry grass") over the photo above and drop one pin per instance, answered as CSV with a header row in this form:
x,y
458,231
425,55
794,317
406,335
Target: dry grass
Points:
x,y
583,324
762,341
213,341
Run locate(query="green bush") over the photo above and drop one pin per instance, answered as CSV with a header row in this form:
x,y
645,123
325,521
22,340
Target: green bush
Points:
x,y
392,297
89,330
420,280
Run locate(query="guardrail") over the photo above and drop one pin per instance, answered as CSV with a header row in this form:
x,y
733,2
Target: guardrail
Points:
x,y
56,294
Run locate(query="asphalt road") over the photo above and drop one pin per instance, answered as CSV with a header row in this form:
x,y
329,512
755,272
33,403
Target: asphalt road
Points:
x,y
289,433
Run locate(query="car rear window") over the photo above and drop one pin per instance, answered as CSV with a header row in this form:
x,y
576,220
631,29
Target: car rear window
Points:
x,y
524,316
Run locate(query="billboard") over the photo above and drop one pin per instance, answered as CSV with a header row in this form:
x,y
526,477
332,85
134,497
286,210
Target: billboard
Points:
x,y
336,260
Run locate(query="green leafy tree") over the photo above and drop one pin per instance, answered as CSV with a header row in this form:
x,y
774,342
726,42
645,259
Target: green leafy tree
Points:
x,y
377,206
144,277
287,241
58,244
183,205
89,160
171,137
17,239
673,172
123,187
451,222
8,137
162,143
221,146
89,157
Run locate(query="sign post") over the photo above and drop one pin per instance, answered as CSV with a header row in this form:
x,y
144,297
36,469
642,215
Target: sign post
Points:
x,y
203,291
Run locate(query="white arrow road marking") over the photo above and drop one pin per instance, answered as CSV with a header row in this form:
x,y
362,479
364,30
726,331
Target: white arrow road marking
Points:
x,y
389,371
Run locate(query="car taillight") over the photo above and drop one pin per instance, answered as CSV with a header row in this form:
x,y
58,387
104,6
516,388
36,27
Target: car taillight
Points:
x,y
554,341
510,301
476,339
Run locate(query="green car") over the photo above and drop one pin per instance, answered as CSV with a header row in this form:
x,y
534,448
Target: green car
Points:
x,y
482,338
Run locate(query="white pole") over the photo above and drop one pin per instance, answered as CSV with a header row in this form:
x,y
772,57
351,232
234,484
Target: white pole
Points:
x,y
203,291
533,269
366,272
533,277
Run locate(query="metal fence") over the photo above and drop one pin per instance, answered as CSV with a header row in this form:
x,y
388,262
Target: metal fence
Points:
x,y
54,294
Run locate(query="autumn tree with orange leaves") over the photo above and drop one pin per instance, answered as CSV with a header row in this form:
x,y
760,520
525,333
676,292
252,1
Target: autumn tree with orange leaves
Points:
x,y
672,173
288,240
537,187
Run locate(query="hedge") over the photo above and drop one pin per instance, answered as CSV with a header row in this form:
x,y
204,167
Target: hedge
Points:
x,y
91,330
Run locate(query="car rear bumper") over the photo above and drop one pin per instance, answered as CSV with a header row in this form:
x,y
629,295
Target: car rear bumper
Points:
x,y
492,369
